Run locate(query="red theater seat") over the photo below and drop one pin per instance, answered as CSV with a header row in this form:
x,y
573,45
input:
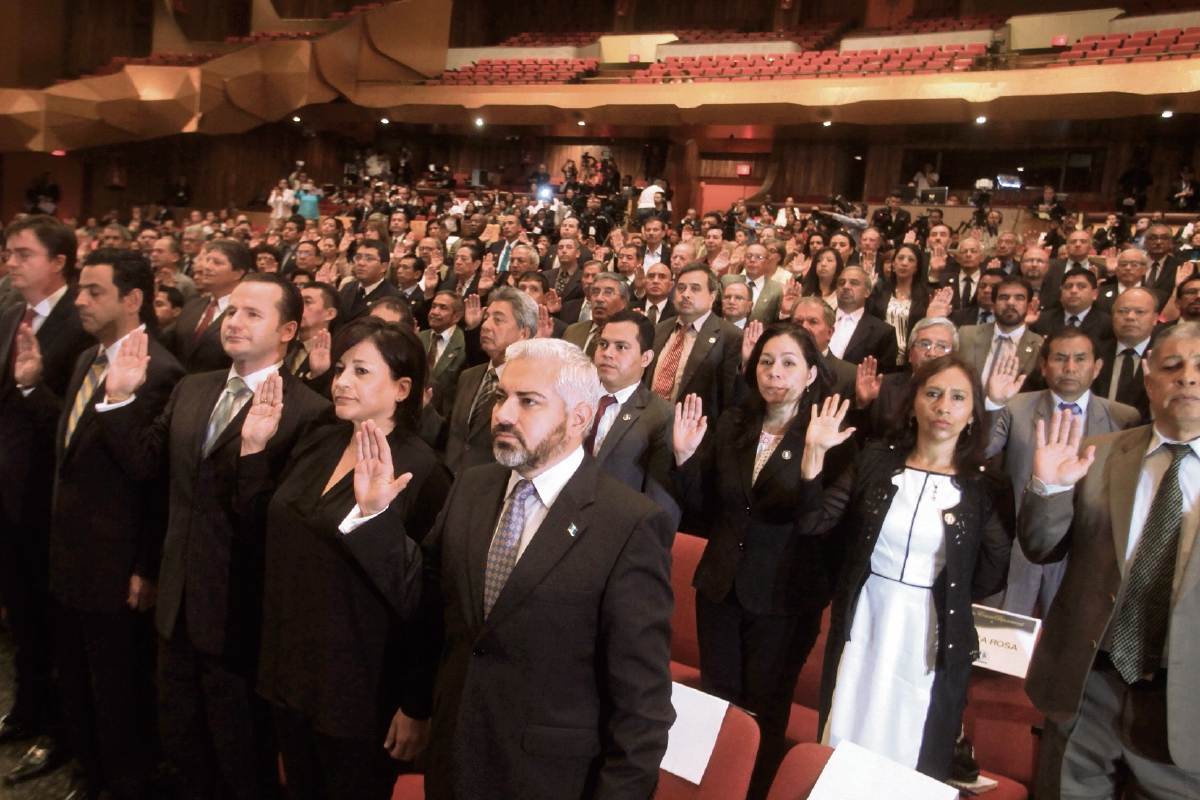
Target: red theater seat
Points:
x,y
727,776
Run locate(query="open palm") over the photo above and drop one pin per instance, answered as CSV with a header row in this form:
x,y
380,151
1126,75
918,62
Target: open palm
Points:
x,y
1057,460
690,427
375,481
127,370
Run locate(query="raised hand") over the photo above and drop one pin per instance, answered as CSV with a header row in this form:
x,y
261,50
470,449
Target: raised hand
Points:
x,y
545,327
325,274
436,259
127,370
867,383
736,259
262,420
910,236
687,234
721,262
639,280
27,366
689,429
1056,461
487,275
1031,314
791,293
318,356
554,303
347,240
143,593
941,304
824,432
472,312
1006,379
1184,271
431,279
750,337
937,258
375,482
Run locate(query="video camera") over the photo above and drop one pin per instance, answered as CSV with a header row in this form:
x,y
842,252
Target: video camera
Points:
x,y
981,199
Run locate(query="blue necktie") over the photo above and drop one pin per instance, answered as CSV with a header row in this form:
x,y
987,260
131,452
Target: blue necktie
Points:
x,y
506,543
1072,407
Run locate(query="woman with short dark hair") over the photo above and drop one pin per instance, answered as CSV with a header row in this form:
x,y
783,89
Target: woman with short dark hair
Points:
x,y
339,664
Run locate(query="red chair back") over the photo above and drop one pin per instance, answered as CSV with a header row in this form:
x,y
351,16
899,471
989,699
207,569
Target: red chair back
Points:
x,y
799,772
685,645
727,776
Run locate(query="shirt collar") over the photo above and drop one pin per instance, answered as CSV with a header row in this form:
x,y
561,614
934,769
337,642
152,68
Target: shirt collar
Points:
x,y
47,305
115,347
549,484
372,287
1157,440
223,303
854,315
699,323
741,323
1082,402
1015,334
1139,348
623,395
255,379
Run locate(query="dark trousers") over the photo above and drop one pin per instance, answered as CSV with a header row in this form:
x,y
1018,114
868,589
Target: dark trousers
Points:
x,y
105,664
215,730
753,661
321,767
24,586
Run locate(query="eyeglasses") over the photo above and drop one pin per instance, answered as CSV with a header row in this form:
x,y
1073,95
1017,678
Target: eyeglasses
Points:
x,y
755,257
363,257
925,346
1158,237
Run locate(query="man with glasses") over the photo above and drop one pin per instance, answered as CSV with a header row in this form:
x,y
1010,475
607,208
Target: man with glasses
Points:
x,y
369,267
877,396
766,295
609,294
1132,265
1120,378
1161,261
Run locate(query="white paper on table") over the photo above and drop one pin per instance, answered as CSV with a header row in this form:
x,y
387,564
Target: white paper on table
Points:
x,y
698,718
855,773
1006,640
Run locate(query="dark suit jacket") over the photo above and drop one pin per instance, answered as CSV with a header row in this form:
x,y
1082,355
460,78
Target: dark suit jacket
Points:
x,y
564,689
637,448
206,354
468,447
1135,391
893,227
667,313
27,424
971,315
419,305
449,366
845,376
1164,282
1089,526
450,284
877,419
712,367
666,253
1050,295
106,524
212,565
351,306
1109,293
321,384
574,287
873,337
1097,323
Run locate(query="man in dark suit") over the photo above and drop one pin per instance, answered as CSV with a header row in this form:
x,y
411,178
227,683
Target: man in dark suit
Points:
x,y
308,359
1117,667
464,280
656,302
445,347
655,250
209,616
1161,261
608,295
567,278
510,317
631,439
982,311
369,284
554,678
892,221
106,539
1079,248
963,270
289,236
1184,191
1076,308
857,334
502,250
40,340
1121,378
223,263
1046,282
815,316
408,272
697,352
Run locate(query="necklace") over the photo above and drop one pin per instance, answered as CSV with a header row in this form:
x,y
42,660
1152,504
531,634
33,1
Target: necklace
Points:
x,y
937,484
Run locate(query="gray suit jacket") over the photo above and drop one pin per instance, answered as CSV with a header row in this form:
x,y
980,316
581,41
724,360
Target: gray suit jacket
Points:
x,y
449,366
637,449
1091,524
975,341
766,304
577,333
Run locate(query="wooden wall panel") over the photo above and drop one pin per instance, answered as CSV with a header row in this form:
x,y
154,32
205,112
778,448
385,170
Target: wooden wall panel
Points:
x,y
803,169
212,20
311,9
668,15
883,170
97,30
477,23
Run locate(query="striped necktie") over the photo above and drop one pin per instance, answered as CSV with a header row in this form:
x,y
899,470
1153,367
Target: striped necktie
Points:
x,y
86,389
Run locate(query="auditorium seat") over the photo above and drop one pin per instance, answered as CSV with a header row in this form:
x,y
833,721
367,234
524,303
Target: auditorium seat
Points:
x,y
798,773
727,776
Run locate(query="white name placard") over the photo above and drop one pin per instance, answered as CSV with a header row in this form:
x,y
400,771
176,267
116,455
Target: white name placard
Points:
x,y
1006,640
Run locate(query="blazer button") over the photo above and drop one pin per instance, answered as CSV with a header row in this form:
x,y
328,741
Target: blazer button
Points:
x,y
952,611
747,509
950,646
1095,644
953,585
466,447
478,651
742,546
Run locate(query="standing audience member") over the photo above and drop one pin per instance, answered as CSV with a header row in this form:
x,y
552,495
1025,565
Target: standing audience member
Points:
x,y
983,345
369,284
222,264
857,334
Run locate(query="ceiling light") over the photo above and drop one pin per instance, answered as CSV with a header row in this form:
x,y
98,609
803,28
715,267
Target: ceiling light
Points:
x,y
295,119
479,122
384,121
858,158
1020,169
1167,114
827,123
980,119
582,123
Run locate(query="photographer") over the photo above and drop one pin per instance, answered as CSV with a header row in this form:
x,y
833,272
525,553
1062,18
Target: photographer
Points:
x,y
892,220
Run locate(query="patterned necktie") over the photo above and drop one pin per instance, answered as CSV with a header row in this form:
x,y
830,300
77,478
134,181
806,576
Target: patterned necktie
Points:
x,y
86,389
1140,631
223,412
560,283
506,543
27,319
590,442
1072,407
592,342
1073,321
487,388
205,321
670,365
431,355
652,315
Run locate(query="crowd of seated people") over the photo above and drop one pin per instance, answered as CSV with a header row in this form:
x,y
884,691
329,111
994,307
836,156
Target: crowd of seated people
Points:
x,y
407,437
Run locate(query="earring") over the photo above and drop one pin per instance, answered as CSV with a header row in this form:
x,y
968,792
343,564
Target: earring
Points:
x,y
967,430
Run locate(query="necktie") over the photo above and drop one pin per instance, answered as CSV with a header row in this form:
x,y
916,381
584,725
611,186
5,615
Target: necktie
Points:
x,y
504,258
1072,407
205,321
86,389
1141,627
560,283
27,319
985,316
431,355
592,342
1001,350
590,442
1125,376
506,543
751,287
670,365
487,388
652,315
967,291
1151,275
1073,321
235,390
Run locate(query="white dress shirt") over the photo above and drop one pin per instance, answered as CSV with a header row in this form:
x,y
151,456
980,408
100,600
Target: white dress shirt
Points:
x,y
547,486
843,330
605,422
43,309
442,339
1140,349
652,257
1082,315
1014,337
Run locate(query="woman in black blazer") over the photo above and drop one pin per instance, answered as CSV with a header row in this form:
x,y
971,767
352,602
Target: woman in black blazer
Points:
x,y
904,297
928,532
761,587
340,666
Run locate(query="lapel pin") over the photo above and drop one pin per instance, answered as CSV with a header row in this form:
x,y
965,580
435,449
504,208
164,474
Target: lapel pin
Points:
x,y
1028,349
571,529
712,340
786,455
627,417
949,518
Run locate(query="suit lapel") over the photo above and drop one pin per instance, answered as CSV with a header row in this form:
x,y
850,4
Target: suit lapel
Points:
x,y
706,337
81,369
1124,467
8,332
488,505
627,416
856,338
212,331
791,446
206,402
573,507
1097,420
451,355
